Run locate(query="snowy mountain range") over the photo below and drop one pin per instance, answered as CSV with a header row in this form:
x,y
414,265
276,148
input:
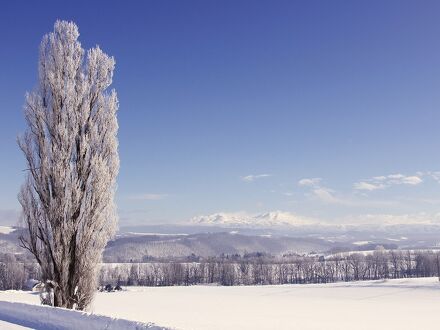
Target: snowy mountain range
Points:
x,y
243,219
291,221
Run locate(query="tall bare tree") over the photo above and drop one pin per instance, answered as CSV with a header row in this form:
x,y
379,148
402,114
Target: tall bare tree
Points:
x,y
71,149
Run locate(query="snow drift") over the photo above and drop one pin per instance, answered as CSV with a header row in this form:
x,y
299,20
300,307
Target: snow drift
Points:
x,y
50,318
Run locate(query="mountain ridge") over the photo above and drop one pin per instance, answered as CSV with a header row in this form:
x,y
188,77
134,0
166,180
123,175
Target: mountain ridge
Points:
x,y
267,219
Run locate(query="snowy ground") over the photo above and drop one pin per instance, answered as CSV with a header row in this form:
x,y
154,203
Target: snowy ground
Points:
x,y
18,315
6,230
391,304
11,326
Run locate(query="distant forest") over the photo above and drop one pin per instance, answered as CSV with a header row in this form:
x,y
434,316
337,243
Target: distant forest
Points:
x,y
248,269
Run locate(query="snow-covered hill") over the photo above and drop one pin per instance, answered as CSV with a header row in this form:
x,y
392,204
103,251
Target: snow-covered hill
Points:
x,y
237,219
126,248
401,304
16,315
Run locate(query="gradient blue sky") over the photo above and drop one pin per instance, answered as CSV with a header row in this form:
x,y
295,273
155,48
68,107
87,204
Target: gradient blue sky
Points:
x,y
213,91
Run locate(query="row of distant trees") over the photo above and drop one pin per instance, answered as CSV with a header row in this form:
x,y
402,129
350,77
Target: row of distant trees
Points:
x,y
253,269
15,272
264,269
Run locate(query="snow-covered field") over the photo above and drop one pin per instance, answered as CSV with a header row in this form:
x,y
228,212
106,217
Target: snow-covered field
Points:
x,y
391,304
11,326
6,230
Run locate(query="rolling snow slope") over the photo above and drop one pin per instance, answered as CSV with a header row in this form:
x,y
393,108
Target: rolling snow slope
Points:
x,y
11,326
29,315
126,248
392,304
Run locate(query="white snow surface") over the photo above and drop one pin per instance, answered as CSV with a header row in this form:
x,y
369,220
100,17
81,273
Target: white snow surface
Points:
x,y
11,326
361,243
29,315
386,304
6,230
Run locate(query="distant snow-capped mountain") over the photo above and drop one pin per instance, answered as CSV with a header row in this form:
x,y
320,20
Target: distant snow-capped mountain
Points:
x,y
421,221
269,219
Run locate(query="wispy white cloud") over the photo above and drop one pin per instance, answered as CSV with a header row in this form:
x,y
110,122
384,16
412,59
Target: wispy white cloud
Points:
x,y
403,179
434,175
309,182
382,182
253,177
370,186
148,197
317,191
326,195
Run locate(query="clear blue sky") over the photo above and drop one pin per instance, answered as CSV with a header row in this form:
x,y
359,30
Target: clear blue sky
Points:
x,y
213,91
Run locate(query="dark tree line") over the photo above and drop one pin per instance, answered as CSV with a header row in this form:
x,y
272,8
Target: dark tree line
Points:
x,y
16,271
263,269
249,269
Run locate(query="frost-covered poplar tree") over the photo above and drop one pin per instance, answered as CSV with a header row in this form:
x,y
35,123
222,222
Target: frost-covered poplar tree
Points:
x,y
71,149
